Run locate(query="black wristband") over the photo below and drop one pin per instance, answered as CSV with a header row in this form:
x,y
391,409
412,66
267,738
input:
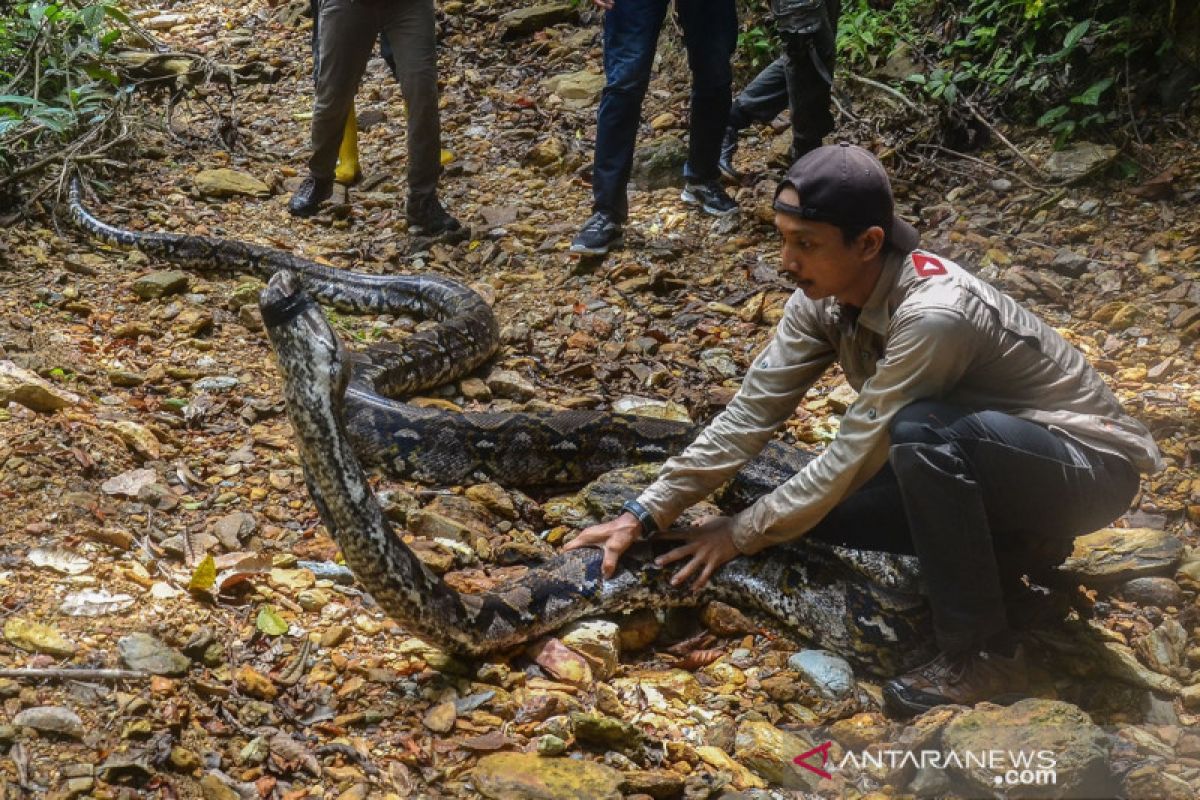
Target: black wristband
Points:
x,y
649,526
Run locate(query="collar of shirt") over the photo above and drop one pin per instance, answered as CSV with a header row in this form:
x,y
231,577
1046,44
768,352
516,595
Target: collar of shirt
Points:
x,y
876,313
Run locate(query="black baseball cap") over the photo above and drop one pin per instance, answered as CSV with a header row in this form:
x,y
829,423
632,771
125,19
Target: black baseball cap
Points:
x,y
847,186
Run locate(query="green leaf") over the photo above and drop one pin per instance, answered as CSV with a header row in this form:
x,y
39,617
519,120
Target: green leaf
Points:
x,y
1053,115
18,100
116,13
1075,34
204,577
270,623
1091,96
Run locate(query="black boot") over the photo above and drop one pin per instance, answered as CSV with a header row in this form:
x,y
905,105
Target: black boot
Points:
x,y
729,146
309,196
427,217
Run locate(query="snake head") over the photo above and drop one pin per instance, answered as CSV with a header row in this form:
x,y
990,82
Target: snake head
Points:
x,y
307,349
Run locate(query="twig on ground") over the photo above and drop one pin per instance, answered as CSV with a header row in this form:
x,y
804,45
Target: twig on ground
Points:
x,y
73,674
883,87
990,166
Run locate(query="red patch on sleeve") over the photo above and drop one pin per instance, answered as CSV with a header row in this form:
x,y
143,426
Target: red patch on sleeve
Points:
x,y
927,266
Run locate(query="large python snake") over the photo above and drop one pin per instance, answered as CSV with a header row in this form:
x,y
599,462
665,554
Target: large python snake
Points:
x,y
863,605
808,589
518,449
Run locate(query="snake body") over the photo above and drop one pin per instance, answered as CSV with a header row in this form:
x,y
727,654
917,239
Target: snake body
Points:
x,y
342,407
518,449
814,592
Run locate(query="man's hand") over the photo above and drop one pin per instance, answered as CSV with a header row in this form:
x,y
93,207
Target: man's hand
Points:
x,y
710,545
613,537
604,5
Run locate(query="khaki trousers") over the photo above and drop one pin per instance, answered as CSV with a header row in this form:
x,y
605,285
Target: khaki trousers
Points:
x,y
347,33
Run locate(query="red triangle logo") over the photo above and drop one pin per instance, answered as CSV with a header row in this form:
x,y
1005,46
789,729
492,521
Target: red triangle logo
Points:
x,y
927,266
822,750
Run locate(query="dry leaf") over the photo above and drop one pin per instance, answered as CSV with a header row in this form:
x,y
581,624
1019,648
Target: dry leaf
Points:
x,y
59,559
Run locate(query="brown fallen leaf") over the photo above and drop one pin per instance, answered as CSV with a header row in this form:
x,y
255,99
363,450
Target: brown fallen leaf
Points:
x,y
1160,187
699,658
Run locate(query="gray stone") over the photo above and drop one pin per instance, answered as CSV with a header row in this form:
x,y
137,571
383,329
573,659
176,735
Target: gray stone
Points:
x,y
1031,729
719,360
51,719
524,21
1069,263
508,383
930,782
828,673
1079,160
161,284
1162,649
233,529
143,651
659,164
216,384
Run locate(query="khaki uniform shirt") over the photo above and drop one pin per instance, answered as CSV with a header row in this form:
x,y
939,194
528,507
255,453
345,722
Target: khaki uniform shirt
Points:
x,y
930,330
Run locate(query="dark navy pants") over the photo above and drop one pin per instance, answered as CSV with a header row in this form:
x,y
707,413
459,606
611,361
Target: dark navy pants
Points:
x,y
980,497
631,31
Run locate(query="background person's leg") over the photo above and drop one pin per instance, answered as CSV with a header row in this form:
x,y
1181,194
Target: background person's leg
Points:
x,y
347,34
811,55
409,28
631,31
763,98
710,35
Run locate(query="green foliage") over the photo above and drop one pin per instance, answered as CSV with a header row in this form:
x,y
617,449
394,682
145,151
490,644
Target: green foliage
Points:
x,y
1060,64
758,44
53,83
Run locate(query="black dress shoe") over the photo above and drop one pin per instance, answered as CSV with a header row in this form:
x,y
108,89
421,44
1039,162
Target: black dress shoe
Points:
x,y
428,217
309,196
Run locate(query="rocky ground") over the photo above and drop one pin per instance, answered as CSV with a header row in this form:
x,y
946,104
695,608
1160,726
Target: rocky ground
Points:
x,y
156,518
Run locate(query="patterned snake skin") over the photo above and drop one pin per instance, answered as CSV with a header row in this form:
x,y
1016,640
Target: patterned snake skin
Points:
x,y
865,606
545,449
882,625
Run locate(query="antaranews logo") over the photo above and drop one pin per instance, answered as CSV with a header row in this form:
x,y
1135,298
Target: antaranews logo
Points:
x,y
1009,767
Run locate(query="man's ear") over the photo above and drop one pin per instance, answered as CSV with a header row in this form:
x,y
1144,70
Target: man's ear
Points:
x,y
870,242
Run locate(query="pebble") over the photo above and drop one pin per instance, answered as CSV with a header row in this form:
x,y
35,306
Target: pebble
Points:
x,y
51,719
1153,591
830,674
145,652
506,776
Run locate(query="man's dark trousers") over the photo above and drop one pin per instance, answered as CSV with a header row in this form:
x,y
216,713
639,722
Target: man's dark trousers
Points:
x,y
980,497
801,78
631,31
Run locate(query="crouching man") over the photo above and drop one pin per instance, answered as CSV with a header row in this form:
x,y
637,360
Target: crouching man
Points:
x,y
979,436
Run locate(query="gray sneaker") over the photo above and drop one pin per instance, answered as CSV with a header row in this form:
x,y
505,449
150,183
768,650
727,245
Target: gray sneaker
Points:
x,y
598,235
710,197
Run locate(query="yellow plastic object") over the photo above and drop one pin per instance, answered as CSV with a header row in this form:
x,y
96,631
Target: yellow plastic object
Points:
x,y
348,170
447,157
